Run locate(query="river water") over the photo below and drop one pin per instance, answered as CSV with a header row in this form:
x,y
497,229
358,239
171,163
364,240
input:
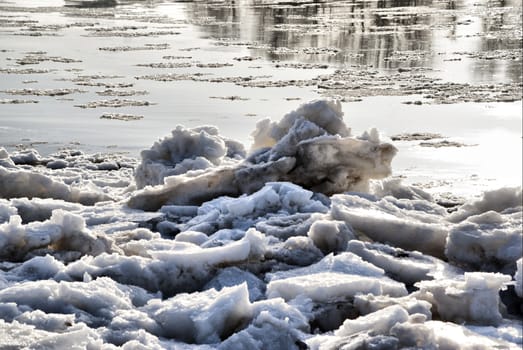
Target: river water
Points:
x,y
451,68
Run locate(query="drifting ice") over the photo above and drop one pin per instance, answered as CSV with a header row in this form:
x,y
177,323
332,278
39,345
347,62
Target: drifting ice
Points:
x,y
200,245
310,147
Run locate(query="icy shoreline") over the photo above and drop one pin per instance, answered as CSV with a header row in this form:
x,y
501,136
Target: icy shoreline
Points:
x,y
302,242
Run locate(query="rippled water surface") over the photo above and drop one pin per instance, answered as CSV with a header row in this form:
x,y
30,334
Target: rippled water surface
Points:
x,y
117,77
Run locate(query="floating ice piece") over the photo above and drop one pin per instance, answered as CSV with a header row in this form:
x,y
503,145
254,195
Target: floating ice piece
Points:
x,y
344,263
370,303
311,147
94,303
179,211
334,165
79,179
194,237
28,157
57,164
273,197
185,190
135,329
497,200
365,332
285,226
266,332
408,267
445,335
233,276
323,162
183,151
38,268
298,251
278,207
489,242
146,247
408,224
51,322
510,330
108,216
379,322
202,317
357,341
332,286
237,251
19,335
131,270
334,278
301,130
394,187
291,313
276,325
330,235
21,183
326,114
182,267
62,232
38,209
474,299
34,269
5,160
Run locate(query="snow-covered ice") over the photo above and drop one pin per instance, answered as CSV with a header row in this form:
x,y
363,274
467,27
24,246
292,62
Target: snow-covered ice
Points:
x,y
310,147
304,242
408,224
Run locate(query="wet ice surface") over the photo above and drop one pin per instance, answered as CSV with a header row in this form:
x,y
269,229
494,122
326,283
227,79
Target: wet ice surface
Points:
x,y
299,236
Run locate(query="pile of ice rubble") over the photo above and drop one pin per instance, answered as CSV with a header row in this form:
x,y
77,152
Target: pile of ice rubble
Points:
x,y
290,247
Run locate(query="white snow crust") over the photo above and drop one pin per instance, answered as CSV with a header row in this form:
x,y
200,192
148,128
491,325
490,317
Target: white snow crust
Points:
x,y
304,243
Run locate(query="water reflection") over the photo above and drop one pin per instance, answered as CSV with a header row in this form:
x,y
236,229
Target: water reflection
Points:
x,y
385,34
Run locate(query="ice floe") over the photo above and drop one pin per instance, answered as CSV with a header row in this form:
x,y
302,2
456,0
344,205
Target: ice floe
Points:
x,y
302,243
408,224
310,147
